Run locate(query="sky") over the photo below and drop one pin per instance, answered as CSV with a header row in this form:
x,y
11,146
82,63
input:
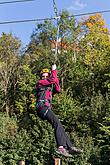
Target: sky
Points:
x,y
44,9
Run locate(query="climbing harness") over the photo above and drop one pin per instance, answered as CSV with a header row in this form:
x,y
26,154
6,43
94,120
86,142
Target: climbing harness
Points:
x,y
42,93
43,104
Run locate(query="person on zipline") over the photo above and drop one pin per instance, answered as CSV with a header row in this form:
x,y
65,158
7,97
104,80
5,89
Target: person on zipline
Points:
x,y
46,87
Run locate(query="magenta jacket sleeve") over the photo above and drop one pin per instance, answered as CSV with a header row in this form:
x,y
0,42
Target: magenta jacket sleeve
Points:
x,y
52,80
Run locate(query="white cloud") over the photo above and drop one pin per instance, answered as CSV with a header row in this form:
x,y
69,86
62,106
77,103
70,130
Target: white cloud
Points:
x,y
76,5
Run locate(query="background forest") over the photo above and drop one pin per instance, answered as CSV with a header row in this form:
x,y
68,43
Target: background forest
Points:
x,y
83,106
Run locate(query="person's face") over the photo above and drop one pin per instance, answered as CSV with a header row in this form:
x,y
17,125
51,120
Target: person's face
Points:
x,y
45,76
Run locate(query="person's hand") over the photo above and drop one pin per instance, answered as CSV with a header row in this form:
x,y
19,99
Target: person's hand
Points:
x,y
54,67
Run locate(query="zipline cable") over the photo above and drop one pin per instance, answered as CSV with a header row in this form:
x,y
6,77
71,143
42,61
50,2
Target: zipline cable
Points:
x,y
53,18
9,2
95,12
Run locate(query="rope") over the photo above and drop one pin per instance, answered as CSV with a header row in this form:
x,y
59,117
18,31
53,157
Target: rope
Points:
x,y
57,39
55,8
58,27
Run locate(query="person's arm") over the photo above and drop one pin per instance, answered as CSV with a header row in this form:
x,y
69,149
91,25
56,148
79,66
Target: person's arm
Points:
x,y
54,74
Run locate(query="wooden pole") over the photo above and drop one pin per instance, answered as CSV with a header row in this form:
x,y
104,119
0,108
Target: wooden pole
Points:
x,y
21,162
57,161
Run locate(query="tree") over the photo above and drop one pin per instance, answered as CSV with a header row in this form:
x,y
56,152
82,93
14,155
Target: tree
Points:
x,y
9,51
95,43
94,51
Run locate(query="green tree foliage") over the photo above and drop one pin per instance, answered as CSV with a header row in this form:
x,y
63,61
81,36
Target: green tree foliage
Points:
x,y
25,86
9,51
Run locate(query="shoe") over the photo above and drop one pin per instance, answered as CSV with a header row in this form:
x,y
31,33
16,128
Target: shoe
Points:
x,y
63,151
74,150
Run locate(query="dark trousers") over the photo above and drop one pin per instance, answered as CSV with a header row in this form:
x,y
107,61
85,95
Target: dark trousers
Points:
x,y
60,135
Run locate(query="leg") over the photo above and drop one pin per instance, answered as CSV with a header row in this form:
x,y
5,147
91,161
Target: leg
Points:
x,y
62,139
60,135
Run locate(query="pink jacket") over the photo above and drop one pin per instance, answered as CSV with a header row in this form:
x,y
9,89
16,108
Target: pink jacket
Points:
x,y
46,83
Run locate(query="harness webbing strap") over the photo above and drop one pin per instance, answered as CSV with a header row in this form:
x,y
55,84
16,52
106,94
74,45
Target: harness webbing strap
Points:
x,y
41,105
42,91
